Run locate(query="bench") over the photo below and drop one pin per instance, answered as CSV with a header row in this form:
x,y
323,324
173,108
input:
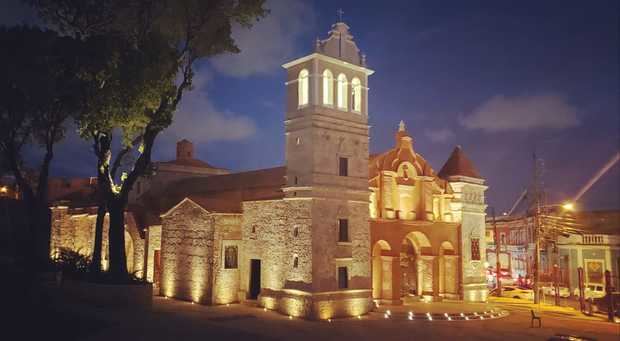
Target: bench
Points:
x,y
534,317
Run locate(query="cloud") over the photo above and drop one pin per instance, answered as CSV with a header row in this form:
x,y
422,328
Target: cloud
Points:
x,y
198,120
269,42
440,135
502,113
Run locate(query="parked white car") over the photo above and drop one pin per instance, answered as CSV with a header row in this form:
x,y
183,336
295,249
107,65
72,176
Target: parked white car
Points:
x,y
516,292
592,291
550,291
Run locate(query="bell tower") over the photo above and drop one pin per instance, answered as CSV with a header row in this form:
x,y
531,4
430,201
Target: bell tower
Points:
x,y
327,137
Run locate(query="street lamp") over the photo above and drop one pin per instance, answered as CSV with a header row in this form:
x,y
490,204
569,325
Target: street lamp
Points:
x,y
539,225
568,206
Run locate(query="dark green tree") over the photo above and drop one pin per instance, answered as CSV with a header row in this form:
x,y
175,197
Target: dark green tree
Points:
x,y
136,83
37,95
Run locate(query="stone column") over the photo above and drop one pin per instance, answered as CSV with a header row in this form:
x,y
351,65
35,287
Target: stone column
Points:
x,y
391,279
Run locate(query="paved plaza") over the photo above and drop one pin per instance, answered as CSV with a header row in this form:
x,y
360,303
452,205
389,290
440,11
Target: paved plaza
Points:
x,y
179,320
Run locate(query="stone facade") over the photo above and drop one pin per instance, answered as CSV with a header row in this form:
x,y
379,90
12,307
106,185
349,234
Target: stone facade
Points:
x,y
192,241
427,229
74,229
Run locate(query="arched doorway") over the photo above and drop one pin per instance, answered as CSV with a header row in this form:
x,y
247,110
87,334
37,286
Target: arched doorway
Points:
x,y
415,264
408,268
381,271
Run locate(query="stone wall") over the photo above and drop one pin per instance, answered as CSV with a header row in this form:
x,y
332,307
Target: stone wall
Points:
x,y
74,229
226,281
321,306
192,244
471,213
154,244
275,231
329,253
186,251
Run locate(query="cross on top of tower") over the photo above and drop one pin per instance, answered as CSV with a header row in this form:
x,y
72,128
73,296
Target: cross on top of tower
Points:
x,y
401,126
340,12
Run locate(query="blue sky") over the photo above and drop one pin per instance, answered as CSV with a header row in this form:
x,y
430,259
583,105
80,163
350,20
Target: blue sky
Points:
x,y
501,78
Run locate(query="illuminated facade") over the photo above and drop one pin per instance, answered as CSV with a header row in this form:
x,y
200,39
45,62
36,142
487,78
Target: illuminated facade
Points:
x,y
427,229
335,227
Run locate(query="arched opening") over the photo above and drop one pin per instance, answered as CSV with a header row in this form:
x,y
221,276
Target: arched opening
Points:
x,y
129,251
448,267
356,94
328,88
381,271
342,92
302,88
416,271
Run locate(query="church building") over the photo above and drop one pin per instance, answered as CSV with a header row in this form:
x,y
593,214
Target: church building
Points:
x,y
327,233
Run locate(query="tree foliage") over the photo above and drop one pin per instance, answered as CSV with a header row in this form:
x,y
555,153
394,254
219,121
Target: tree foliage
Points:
x,y
37,94
139,64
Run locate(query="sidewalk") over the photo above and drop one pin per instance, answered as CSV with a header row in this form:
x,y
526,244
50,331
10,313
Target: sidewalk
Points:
x,y
544,308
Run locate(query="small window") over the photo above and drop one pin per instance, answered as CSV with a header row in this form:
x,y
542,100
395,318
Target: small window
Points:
x,y
230,257
328,88
295,262
296,180
356,94
342,92
343,230
343,277
302,88
475,249
253,228
343,169
295,231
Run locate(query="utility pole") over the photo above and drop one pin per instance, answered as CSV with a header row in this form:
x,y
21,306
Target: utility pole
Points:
x,y
537,228
497,249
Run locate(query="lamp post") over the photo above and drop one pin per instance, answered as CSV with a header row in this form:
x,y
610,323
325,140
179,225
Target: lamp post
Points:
x,y
497,249
538,229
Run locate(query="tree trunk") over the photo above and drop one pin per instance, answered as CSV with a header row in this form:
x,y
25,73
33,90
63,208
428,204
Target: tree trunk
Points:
x,y
41,232
95,265
116,236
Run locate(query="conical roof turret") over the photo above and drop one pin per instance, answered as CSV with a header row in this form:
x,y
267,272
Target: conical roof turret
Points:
x,y
458,164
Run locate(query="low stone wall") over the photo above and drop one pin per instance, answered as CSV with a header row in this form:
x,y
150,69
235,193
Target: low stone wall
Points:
x,y
318,306
130,296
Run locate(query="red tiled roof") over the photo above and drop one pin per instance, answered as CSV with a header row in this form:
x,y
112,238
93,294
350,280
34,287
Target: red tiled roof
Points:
x,y
219,193
190,163
458,164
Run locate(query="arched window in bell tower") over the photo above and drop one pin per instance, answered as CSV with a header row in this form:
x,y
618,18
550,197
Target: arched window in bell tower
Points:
x,y
328,87
302,88
342,92
356,94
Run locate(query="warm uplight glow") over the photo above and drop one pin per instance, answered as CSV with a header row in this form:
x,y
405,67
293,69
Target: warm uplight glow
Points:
x,y
359,317
4,189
